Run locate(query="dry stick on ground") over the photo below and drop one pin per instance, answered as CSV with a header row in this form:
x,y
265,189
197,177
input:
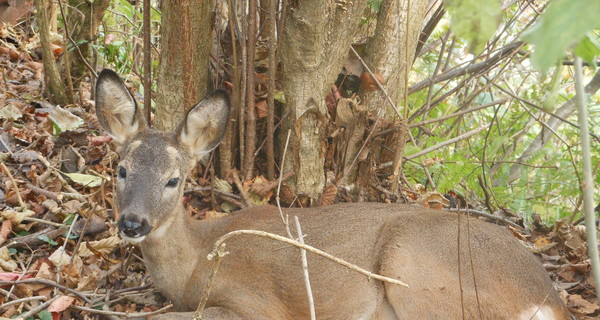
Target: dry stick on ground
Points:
x,y
22,300
14,184
240,186
147,62
37,309
489,216
250,105
271,90
48,283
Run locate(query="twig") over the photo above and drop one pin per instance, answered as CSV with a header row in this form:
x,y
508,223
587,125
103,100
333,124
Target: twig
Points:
x,y
218,253
221,241
22,300
123,314
311,302
284,219
48,283
250,103
488,216
14,183
239,185
50,223
37,309
439,145
147,62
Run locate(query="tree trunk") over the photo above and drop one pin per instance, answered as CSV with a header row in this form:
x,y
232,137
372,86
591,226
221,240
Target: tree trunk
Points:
x,y
84,17
390,55
317,36
183,70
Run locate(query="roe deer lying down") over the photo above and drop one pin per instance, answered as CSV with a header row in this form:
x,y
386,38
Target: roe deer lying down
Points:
x,y
263,279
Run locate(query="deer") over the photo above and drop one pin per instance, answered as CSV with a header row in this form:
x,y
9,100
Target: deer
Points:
x,y
456,267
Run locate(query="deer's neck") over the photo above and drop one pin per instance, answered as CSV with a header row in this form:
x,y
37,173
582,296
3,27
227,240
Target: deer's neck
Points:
x,y
173,251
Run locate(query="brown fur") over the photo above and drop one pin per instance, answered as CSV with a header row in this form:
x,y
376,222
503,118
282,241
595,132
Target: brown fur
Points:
x,y
479,271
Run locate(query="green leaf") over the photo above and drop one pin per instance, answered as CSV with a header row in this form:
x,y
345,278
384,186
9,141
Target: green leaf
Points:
x,y
85,180
588,49
49,241
45,315
562,25
474,20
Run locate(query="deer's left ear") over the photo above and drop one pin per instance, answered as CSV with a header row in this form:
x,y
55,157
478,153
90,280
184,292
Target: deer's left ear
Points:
x,y
116,108
204,125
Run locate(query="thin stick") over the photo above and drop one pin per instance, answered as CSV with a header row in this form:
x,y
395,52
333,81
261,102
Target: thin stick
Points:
x,y
271,90
588,180
46,282
123,314
50,223
309,294
37,309
284,219
439,145
221,241
219,253
34,298
147,62
14,183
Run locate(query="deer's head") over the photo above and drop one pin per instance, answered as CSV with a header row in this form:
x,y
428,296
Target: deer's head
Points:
x,y
154,164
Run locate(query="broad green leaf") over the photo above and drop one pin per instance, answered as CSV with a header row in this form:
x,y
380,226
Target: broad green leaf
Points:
x,y
588,49
45,315
562,25
474,20
85,180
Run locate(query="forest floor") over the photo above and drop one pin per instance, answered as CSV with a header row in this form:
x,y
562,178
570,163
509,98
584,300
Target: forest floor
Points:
x,y
59,247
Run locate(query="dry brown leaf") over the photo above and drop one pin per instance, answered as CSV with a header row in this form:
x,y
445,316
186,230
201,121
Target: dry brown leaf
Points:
x,y
104,246
582,306
5,230
61,304
328,195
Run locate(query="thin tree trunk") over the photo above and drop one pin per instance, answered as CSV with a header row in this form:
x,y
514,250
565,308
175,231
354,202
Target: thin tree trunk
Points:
x,y
390,55
84,17
250,105
175,93
317,36
52,76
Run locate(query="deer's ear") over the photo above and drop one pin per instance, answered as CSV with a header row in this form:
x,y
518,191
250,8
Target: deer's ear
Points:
x,y
204,125
116,108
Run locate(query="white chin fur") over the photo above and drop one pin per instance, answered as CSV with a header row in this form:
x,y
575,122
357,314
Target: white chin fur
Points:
x,y
132,240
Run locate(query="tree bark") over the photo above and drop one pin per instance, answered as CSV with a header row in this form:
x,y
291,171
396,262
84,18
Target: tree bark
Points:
x,y
390,54
182,80
317,36
83,19
52,76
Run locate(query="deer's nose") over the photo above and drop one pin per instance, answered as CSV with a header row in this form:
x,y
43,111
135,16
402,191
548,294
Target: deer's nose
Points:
x,y
133,226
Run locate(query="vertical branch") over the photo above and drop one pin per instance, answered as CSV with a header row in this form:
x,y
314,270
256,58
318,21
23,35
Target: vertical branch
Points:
x,y
588,180
147,61
311,302
250,108
188,79
271,90
51,73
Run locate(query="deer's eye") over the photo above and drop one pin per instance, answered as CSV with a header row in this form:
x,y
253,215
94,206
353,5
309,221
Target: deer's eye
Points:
x,y
122,172
172,182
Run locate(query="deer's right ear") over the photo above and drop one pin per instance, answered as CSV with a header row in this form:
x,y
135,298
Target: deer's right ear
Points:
x,y
116,108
